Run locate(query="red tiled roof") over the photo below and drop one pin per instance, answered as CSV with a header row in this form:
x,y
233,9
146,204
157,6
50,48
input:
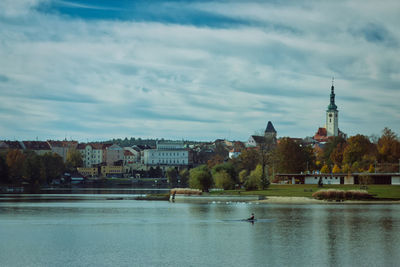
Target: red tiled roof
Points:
x,y
54,143
128,153
10,145
321,135
36,145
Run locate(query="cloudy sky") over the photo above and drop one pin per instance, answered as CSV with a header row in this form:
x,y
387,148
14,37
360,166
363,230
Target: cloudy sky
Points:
x,y
198,70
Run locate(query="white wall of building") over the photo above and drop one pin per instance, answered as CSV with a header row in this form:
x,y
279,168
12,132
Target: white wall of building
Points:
x,y
395,180
325,180
166,157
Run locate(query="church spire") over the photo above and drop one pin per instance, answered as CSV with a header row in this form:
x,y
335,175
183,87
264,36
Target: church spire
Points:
x,y
332,106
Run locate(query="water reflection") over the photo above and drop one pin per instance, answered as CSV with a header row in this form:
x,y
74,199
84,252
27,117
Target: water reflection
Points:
x,y
145,233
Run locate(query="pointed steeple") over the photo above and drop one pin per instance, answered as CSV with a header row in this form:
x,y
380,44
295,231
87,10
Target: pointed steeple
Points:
x,y
270,128
332,106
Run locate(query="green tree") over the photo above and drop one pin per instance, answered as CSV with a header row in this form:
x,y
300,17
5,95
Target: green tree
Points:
x,y
228,167
184,177
74,160
15,161
223,180
254,180
243,175
172,175
200,178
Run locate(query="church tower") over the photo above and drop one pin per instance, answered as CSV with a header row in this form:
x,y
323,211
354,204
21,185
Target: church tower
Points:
x,y
332,116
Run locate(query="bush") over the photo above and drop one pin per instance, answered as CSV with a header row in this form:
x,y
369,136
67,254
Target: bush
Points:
x,y
334,194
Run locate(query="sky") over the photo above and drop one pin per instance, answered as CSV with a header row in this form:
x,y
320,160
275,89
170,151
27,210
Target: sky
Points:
x,y
196,70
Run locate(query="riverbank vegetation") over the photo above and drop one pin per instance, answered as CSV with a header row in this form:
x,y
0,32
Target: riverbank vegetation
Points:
x,y
335,194
382,192
255,168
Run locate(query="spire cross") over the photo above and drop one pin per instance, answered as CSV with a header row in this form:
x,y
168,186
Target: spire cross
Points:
x,y
333,80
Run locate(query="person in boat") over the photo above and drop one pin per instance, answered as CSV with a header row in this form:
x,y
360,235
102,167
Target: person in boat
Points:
x,y
251,217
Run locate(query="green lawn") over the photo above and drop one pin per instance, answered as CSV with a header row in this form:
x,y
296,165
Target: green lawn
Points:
x,y
301,190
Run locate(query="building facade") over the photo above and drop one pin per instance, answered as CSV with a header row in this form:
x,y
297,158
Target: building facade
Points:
x,y
167,154
92,154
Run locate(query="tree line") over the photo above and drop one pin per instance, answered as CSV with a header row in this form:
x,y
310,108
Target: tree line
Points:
x,y
18,167
256,168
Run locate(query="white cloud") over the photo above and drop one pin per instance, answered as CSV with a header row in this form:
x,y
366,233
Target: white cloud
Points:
x,y
116,78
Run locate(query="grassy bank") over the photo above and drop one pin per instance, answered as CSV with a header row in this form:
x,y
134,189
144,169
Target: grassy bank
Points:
x,y
384,192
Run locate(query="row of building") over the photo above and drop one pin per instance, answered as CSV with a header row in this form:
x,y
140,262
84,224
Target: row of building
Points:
x,y
110,159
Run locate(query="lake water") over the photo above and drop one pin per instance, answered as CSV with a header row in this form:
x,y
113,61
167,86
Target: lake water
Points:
x,y
104,232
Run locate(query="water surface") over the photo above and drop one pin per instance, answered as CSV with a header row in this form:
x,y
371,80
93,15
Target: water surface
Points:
x,y
156,233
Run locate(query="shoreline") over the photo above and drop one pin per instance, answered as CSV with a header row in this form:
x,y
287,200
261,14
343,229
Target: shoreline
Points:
x,y
306,200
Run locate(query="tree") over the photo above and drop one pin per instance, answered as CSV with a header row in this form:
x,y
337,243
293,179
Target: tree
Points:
x,y
333,144
200,178
355,167
254,180
15,161
4,179
346,168
243,175
34,170
292,157
248,160
223,180
388,147
371,168
336,155
53,165
357,147
216,159
336,169
184,177
74,160
172,175
228,168
325,169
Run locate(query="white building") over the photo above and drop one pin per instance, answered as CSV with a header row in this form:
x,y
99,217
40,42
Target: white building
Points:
x,y
167,154
92,154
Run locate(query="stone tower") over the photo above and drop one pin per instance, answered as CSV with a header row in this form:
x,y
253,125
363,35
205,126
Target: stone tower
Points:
x,y
332,128
270,133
